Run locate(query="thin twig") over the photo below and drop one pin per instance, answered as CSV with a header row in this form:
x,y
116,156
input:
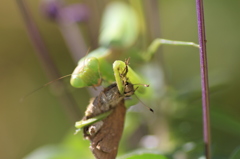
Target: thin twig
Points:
x,y
204,77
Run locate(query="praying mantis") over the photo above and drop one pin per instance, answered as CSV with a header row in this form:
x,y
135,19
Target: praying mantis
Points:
x,y
109,104
108,99
101,66
94,66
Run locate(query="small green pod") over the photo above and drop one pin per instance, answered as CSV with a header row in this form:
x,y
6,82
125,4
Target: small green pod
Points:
x,y
86,73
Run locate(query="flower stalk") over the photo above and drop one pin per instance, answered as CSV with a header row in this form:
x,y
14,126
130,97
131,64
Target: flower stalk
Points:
x,y
204,77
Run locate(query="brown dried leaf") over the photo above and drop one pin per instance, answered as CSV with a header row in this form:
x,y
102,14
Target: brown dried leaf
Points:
x,y
104,144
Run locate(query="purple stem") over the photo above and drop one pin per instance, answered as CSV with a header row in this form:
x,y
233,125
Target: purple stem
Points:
x,y
68,102
204,77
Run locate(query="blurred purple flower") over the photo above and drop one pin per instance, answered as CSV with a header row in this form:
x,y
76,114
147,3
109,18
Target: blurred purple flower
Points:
x,y
57,10
51,8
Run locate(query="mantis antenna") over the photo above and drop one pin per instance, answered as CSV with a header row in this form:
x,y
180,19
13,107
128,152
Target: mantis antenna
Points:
x,y
145,104
30,93
78,72
145,85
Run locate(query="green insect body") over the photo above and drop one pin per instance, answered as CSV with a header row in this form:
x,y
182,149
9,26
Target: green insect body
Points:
x,y
116,34
86,73
92,69
97,66
100,107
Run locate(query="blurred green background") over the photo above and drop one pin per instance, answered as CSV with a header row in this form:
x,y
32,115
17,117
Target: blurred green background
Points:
x,y
41,119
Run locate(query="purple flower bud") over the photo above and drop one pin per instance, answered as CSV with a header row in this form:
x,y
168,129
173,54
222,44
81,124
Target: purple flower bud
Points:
x,y
51,8
56,10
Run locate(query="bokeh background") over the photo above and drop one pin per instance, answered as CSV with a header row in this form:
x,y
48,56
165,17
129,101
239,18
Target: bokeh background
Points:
x,y
46,118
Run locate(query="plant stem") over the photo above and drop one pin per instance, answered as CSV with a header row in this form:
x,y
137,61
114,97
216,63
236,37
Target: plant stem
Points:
x,y
68,102
204,77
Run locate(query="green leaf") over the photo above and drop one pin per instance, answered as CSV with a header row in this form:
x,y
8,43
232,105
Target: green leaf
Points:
x,y
73,146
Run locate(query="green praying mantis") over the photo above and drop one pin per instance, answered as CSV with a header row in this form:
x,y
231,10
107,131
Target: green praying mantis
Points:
x,y
111,96
119,31
101,66
95,68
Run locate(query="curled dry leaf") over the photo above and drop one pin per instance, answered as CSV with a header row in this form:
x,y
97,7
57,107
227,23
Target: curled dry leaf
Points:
x,y
105,135
104,144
